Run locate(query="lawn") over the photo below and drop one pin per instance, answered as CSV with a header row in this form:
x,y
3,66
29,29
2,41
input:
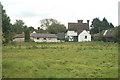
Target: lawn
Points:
x,y
60,60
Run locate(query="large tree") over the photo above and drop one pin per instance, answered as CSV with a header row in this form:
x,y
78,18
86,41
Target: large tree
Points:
x,y
31,28
117,34
98,25
6,27
48,22
105,23
111,25
27,34
56,28
53,26
19,26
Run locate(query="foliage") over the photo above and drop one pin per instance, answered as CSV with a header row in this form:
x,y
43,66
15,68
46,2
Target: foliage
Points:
x,y
38,28
98,25
53,26
117,35
99,37
56,28
111,25
48,22
31,28
27,35
19,26
6,27
60,60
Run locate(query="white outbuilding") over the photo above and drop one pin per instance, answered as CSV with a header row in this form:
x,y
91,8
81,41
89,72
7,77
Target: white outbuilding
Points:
x,y
84,36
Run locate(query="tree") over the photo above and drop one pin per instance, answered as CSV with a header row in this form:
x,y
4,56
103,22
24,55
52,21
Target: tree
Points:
x,y
53,26
105,23
117,35
6,27
98,25
111,25
27,35
38,28
48,22
19,26
31,29
56,28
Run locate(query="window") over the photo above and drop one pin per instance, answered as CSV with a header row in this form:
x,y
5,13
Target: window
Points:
x,y
85,37
44,38
37,37
75,30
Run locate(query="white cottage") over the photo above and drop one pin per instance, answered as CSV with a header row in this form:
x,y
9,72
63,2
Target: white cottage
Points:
x,y
84,36
78,31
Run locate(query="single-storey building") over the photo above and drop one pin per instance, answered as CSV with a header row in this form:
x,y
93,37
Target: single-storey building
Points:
x,y
105,35
36,37
61,37
108,35
19,38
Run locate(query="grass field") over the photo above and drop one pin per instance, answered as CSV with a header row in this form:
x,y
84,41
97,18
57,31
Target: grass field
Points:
x,y
60,60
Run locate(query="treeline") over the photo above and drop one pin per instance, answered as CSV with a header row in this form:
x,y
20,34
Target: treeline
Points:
x,y
98,25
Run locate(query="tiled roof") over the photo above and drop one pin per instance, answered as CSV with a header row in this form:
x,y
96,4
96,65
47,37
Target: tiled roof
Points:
x,y
79,27
109,33
19,36
43,35
61,35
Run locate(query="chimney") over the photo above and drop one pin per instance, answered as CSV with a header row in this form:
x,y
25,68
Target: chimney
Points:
x,y
80,21
88,21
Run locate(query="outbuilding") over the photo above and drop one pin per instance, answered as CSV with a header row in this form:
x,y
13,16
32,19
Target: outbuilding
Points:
x,y
37,37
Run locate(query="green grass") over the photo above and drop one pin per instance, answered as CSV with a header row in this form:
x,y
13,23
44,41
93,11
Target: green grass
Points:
x,y
60,60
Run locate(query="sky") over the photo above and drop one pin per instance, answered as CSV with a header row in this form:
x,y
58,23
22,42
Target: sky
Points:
x,y
32,11
119,13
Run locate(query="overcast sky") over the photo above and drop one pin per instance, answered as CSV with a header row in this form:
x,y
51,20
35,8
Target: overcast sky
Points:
x,y
32,11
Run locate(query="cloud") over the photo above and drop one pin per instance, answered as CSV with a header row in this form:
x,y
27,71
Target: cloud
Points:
x,y
30,14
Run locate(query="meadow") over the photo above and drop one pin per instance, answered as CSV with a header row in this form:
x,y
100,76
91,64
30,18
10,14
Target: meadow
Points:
x,y
60,60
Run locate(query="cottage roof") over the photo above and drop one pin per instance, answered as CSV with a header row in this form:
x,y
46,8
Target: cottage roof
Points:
x,y
96,35
19,36
60,35
106,33
40,31
109,33
79,27
43,35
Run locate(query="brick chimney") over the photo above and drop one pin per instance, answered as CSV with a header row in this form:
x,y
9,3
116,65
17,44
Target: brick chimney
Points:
x,y
80,21
88,21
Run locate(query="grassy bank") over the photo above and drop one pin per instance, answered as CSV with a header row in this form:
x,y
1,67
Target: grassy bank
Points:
x,y
60,60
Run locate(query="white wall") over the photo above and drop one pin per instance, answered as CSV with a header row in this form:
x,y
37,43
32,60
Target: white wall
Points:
x,y
19,40
47,40
81,36
70,35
